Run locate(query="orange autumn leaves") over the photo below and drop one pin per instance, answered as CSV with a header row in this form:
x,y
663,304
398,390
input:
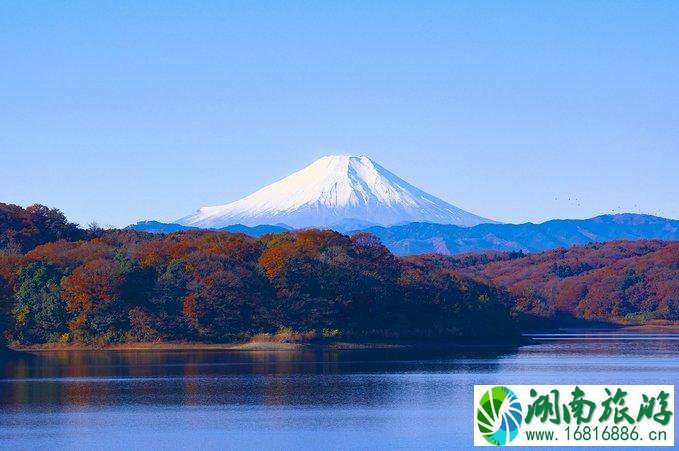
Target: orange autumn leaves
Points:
x,y
618,280
280,248
122,285
97,281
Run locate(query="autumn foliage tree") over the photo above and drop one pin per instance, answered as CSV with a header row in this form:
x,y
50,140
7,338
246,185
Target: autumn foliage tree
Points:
x,y
327,280
21,229
92,293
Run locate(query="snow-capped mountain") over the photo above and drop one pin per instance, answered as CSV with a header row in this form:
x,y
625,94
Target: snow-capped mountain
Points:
x,y
333,191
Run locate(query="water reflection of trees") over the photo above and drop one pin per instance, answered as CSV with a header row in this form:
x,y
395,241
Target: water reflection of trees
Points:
x,y
87,379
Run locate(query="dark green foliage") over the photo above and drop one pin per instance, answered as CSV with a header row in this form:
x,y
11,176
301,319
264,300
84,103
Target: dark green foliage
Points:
x,y
569,271
165,302
39,313
630,279
440,304
5,307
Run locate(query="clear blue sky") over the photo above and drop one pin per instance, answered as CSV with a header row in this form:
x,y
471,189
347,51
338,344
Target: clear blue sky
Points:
x,y
517,111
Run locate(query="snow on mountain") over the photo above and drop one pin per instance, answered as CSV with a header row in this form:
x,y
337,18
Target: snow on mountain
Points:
x,y
335,190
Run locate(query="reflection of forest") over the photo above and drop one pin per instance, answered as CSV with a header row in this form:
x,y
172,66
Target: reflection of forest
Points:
x,y
84,380
89,378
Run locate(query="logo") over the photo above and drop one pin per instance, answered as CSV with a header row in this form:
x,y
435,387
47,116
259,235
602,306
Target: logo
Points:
x,y
499,415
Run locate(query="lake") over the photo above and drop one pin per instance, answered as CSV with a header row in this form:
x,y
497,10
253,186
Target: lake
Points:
x,y
297,400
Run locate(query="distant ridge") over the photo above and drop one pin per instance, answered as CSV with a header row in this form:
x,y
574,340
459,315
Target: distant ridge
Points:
x,y
162,227
420,238
158,227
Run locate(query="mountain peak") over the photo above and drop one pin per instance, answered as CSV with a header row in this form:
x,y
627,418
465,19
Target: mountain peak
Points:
x,y
343,164
332,190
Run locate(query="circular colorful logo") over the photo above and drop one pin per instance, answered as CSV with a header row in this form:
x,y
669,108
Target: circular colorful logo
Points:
x,y
499,415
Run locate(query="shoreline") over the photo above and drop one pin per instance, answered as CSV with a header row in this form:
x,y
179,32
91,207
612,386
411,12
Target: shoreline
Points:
x,y
260,346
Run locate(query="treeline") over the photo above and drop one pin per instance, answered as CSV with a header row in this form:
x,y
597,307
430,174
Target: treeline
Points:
x,y
21,229
618,280
61,283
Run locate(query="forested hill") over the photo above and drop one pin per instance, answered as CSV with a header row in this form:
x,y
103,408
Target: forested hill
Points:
x,y
21,229
621,280
62,283
122,285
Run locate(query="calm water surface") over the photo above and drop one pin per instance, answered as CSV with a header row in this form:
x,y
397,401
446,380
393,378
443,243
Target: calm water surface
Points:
x,y
296,400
